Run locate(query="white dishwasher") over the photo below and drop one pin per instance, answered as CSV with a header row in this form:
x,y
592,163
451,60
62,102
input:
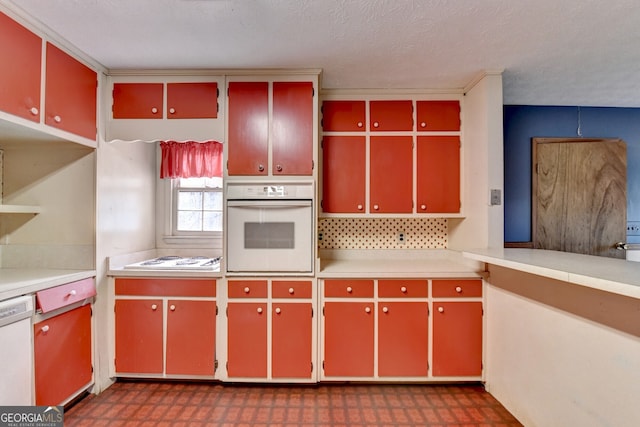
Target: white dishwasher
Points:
x,y
16,352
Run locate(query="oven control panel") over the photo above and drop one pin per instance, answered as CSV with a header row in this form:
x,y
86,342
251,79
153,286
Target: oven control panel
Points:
x,y
265,191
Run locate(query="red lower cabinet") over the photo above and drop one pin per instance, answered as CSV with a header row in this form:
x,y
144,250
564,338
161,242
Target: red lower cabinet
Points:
x,y
291,345
247,340
457,339
349,339
62,357
403,339
139,336
191,337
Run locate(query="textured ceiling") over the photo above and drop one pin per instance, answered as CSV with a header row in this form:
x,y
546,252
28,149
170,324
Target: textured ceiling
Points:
x,y
555,52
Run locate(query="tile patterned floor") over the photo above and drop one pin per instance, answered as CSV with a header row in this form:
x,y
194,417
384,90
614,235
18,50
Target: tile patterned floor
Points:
x,y
212,404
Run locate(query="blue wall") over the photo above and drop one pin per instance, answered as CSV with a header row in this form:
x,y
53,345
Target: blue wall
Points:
x,y
521,123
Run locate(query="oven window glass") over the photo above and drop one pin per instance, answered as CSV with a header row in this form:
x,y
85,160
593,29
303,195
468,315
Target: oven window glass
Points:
x,y
269,235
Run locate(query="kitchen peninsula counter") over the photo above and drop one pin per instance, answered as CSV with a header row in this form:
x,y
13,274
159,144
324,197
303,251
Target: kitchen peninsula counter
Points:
x,y
412,263
23,281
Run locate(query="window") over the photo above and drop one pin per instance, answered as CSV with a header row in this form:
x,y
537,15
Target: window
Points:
x,y
198,205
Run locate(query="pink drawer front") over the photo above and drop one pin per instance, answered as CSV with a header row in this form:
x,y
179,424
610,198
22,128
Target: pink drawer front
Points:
x,y
53,298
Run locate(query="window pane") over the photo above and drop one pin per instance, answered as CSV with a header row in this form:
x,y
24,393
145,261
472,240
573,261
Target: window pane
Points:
x,y
213,201
212,221
189,220
189,200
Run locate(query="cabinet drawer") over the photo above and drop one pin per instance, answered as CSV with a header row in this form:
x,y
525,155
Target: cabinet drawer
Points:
x,y
402,288
171,287
60,296
247,288
457,288
291,289
348,288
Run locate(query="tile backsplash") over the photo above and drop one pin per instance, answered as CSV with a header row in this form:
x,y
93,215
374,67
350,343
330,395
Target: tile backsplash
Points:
x,y
382,233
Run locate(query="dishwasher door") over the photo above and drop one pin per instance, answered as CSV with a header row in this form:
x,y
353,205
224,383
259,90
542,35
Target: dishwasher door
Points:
x,y
16,352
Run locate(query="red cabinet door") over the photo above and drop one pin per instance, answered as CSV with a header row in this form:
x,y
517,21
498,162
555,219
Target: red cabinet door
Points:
x,y
247,340
457,338
191,337
391,174
70,94
291,340
62,355
248,128
343,174
137,100
403,339
292,128
348,339
139,336
391,115
343,116
438,115
438,174
198,100
20,65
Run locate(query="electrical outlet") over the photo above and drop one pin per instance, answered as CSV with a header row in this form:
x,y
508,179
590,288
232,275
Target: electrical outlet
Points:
x,y
320,236
496,197
633,228
401,237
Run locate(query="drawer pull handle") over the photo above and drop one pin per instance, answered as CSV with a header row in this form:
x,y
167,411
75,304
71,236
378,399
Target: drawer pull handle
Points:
x,y
259,310
440,309
367,309
246,290
172,308
423,207
360,207
385,309
458,289
57,119
360,124
72,293
172,110
45,329
278,310
423,124
154,110
291,291
403,289
376,207
349,289
34,111
376,124
154,307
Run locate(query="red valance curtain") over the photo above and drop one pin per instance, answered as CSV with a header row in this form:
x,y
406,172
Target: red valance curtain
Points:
x,y
191,159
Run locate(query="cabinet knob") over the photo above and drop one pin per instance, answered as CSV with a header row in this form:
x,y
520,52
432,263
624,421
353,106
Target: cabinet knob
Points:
x,y
279,168
45,329
278,310
440,309
349,289
72,292
423,207
385,309
57,119
154,110
403,289
376,124
154,307
458,289
360,207
376,207
423,124
172,307
367,309
261,168
291,290
34,111
360,124
259,310
172,110
246,290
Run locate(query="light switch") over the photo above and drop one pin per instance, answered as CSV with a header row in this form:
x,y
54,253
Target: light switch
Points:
x,y
496,197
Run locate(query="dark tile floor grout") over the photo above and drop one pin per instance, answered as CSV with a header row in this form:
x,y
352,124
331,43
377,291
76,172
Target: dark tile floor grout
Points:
x,y
152,403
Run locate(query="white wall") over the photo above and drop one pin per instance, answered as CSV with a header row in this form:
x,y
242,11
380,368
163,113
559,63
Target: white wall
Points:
x,y
560,354
482,163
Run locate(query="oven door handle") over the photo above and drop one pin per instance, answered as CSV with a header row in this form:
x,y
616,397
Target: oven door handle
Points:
x,y
268,204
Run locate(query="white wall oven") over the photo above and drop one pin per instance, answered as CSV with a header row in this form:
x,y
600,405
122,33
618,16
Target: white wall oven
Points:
x,y
269,228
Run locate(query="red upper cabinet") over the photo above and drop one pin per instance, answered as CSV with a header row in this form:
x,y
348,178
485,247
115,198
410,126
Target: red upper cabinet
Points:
x,y
391,115
292,128
70,94
344,178
391,174
20,66
198,100
137,100
438,174
248,128
438,115
343,116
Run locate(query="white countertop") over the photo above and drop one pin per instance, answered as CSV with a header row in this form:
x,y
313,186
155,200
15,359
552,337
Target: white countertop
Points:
x,y
116,266
24,281
607,274
430,263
